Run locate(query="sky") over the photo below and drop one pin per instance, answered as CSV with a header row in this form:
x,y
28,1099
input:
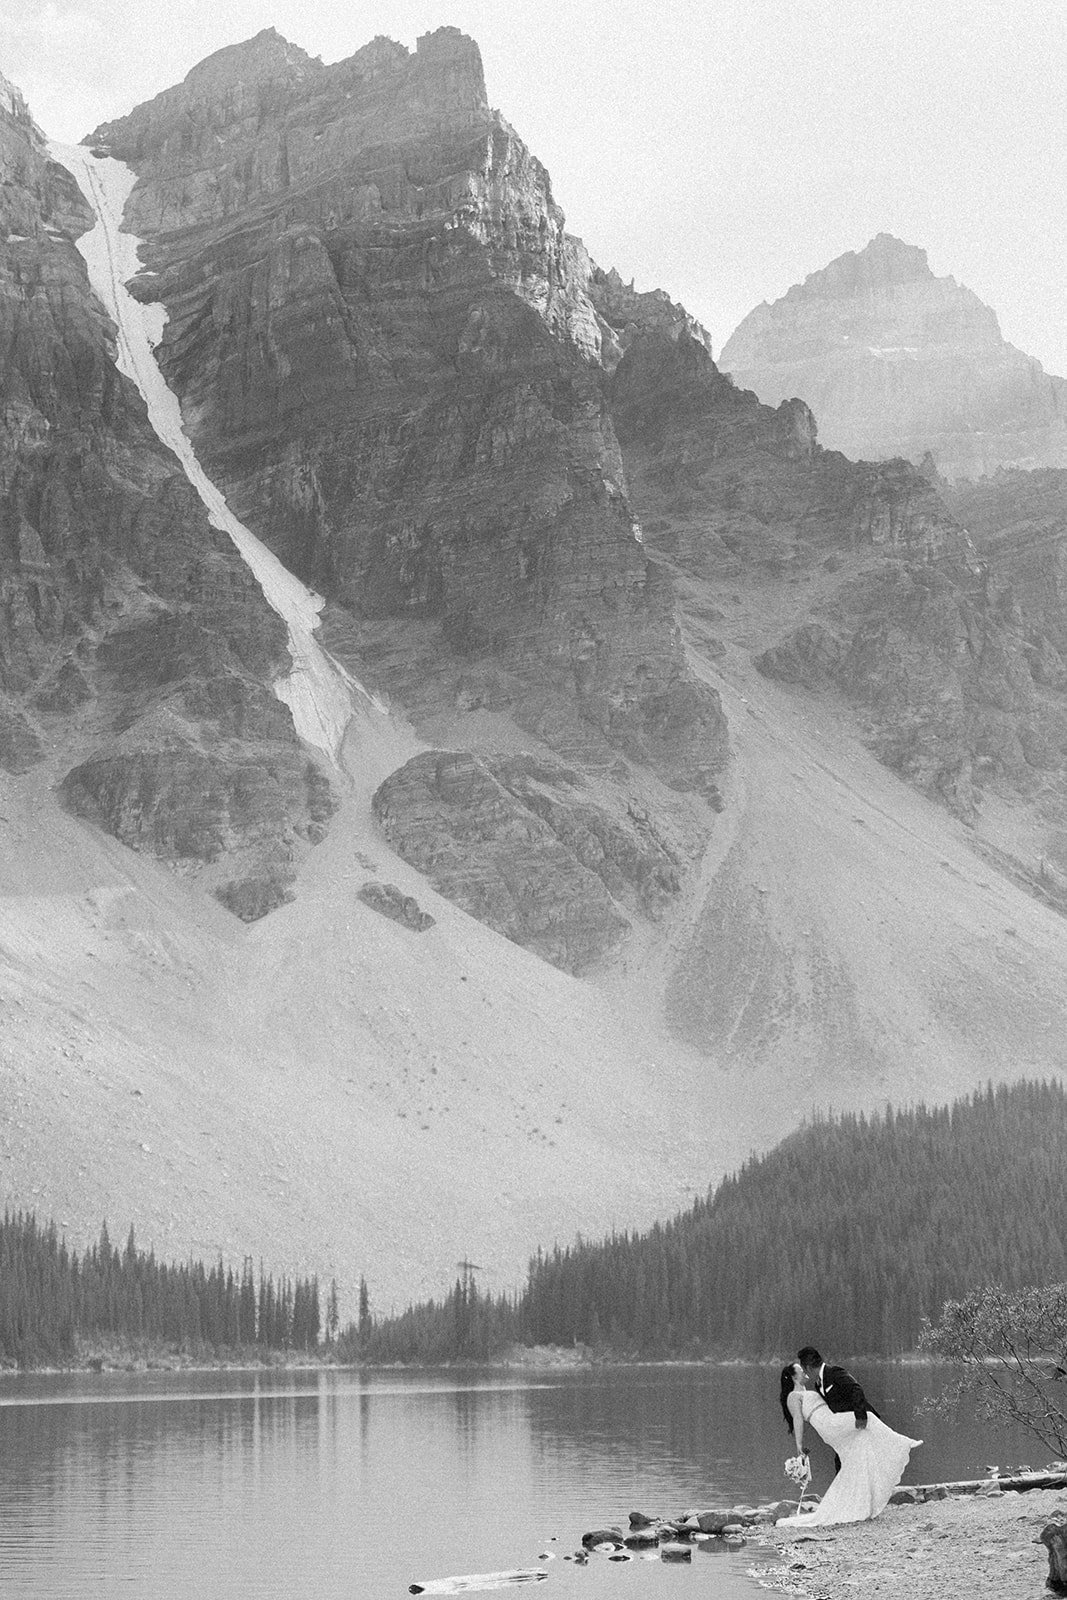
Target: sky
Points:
x,y
718,149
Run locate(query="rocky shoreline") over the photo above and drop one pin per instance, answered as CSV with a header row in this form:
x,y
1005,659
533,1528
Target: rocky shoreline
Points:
x,y
988,1546
932,1539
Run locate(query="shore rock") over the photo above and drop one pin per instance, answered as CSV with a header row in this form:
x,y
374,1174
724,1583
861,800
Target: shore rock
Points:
x,y
1054,1537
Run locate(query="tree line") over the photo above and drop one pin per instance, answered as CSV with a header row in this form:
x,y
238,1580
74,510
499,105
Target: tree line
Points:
x,y
849,1234
50,1298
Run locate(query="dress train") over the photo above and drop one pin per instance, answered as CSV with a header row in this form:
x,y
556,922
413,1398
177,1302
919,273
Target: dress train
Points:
x,y
872,1462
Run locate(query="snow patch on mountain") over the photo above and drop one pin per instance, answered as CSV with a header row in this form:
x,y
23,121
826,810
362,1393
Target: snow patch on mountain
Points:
x,y
321,695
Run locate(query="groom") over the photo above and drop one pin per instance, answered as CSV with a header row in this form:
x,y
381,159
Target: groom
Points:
x,y
838,1388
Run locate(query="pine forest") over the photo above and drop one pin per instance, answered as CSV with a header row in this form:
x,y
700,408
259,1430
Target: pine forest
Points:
x,y
848,1234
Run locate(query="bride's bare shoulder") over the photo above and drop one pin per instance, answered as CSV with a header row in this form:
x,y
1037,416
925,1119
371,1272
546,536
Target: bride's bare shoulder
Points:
x,y
794,1399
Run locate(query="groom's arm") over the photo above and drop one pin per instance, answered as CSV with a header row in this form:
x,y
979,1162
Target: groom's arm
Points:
x,y
849,1396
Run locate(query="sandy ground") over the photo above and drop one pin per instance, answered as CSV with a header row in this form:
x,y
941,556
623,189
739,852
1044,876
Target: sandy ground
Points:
x,y
973,1546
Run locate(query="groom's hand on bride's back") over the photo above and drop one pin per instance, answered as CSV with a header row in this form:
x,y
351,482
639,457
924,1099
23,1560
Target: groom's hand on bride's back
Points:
x,y
861,1421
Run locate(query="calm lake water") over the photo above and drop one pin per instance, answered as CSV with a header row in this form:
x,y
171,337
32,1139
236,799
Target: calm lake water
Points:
x,y
220,1485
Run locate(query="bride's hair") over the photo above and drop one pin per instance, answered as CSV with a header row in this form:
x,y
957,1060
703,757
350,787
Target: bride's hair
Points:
x,y
788,1380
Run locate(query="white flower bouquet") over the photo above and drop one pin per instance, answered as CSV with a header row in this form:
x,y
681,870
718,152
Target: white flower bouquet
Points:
x,y
799,1469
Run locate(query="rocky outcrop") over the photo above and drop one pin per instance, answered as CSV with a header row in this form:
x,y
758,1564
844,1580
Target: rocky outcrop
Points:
x,y
942,674
951,646
960,668
1018,522
726,485
524,844
20,746
387,351
624,312
183,804
391,902
134,645
897,362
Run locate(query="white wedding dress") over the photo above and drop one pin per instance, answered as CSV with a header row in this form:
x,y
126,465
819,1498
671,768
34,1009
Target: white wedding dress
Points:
x,y
872,1461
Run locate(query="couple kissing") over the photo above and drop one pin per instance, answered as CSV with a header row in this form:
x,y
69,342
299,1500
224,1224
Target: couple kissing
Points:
x,y
869,1457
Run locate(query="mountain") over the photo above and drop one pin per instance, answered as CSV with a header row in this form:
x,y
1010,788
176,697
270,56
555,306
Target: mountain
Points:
x,y
135,649
385,349
897,362
691,773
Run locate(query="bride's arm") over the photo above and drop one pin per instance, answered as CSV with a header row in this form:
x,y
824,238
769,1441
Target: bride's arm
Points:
x,y
796,1411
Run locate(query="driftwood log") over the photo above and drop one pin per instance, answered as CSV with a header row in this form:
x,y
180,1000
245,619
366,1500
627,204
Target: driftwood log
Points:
x,y
479,1581
910,1494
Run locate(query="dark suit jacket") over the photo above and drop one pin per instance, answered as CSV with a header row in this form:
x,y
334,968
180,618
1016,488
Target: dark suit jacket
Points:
x,y
842,1393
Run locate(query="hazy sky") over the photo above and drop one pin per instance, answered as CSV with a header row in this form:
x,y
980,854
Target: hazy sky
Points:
x,y
720,149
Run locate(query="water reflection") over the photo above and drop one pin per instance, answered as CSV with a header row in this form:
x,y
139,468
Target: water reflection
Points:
x,y
341,1483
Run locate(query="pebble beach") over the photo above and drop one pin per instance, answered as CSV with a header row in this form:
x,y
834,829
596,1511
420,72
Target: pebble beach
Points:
x,y
982,1547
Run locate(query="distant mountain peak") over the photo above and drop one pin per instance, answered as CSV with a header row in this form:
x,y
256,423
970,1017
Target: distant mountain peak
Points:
x,y
897,361
883,261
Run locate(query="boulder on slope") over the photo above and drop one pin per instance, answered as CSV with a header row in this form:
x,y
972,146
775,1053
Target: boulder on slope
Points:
x,y
523,844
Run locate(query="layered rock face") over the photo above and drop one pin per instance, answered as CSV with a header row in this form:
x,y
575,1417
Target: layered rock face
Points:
x,y
1018,522
386,351
737,484
948,645
524,844
133,641
897,362
624,313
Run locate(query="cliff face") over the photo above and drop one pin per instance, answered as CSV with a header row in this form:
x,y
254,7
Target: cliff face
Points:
x,y
949,646
524,844
1018,521
387,353
744,484
134,645
897,362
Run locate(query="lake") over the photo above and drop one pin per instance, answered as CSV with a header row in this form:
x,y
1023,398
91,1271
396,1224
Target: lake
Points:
x,y
210,1486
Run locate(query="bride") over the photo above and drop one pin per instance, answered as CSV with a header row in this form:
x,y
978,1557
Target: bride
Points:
x,y
872,1458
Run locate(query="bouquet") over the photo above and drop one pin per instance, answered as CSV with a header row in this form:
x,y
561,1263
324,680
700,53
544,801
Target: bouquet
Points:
x,y
799,1469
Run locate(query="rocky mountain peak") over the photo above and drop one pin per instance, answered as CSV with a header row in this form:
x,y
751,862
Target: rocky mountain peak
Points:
x,y
625,312
447,63
886,260
896,361
441,78
265,103
452,45
14,106
266,56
